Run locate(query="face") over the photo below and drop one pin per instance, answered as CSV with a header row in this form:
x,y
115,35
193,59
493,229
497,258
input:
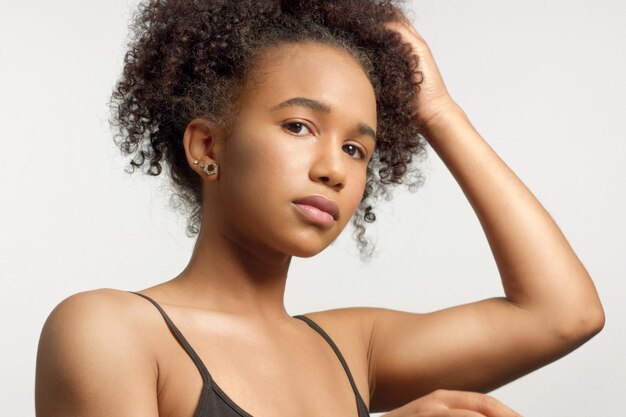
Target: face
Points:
x,y
304,129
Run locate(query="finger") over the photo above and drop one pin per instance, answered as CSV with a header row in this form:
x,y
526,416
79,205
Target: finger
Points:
x,y
461,413
408,33
403,20
477,402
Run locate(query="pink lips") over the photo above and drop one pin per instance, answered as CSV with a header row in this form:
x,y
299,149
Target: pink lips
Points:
x,y
318,209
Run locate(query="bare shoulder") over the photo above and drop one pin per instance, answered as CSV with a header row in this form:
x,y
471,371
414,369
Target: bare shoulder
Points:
x,y
101,312
101,300
354,321
91,359
351,329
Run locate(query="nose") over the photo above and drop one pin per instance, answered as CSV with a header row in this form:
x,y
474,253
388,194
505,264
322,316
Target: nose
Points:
x,y
329,165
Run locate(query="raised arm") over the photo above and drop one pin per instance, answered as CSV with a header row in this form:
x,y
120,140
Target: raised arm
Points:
x,y
551,305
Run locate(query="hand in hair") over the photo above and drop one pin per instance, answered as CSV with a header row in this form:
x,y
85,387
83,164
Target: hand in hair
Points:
x,y
432,96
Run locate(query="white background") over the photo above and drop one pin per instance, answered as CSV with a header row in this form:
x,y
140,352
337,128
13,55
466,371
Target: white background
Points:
x,y
543,82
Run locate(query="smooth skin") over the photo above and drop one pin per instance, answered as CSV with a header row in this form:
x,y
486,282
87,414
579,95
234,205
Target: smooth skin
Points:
x,y
106,352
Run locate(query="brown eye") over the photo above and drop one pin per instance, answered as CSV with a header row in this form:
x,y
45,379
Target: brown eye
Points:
x,y
352,150
298,127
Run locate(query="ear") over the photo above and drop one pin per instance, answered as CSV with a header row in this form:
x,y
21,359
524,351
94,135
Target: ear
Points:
x,y
203,141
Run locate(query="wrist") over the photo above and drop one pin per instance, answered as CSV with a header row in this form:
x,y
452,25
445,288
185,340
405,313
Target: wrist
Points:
x,y
439,122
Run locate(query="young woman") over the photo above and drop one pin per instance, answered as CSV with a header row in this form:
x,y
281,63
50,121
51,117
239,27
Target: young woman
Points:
x,y
279,121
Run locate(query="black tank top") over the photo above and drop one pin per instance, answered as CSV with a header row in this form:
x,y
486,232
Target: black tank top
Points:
x,y
214,402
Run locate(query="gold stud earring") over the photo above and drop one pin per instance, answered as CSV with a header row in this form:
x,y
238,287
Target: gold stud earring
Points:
x,y
209,171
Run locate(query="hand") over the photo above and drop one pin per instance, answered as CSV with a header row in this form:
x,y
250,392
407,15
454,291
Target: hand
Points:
x,y
443,403
432,98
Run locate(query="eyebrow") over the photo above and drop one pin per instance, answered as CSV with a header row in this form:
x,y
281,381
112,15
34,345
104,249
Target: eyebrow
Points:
x,y
318,106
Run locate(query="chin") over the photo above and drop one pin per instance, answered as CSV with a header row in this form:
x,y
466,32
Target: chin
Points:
x,y
306,254
307,246
305,251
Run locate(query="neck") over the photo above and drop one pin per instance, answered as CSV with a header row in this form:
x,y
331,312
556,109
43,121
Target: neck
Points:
x,y
223,275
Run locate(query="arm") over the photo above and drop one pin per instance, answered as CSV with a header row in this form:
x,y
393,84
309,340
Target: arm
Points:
x,y
551,305
540,272
89,362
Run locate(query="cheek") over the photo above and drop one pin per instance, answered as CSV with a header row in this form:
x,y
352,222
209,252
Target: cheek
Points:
x,y
354,193
262,163
261,175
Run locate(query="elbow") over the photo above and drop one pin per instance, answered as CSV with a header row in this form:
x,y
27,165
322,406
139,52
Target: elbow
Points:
x,y
584,323
592,318
595,321
592,323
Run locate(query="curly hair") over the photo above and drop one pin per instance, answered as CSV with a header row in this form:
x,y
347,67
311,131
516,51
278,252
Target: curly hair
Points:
x,y
192,58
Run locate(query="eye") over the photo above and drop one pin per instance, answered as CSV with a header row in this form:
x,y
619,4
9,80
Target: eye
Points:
x,y
298,126
352,149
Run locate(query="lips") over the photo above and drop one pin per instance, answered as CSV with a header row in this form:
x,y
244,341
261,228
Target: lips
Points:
x,y
321,203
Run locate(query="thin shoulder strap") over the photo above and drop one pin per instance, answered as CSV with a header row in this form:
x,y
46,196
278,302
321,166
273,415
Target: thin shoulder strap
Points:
x,y
206,377
332,344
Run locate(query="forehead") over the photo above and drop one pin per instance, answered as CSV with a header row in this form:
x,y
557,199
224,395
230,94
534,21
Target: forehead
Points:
x,y
321,72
